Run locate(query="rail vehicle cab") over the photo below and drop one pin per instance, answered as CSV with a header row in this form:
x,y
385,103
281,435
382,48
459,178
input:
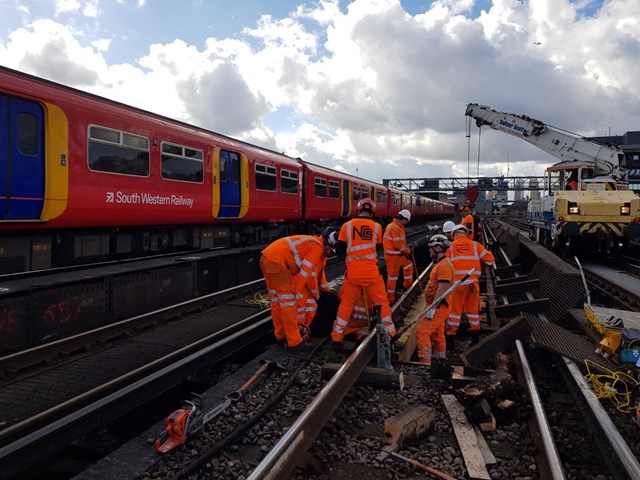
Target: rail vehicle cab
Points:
x,y
579,207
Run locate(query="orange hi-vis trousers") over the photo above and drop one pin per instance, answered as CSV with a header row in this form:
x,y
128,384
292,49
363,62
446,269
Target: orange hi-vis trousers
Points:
x,y
394,264
430,335
465,297
306,308
359,322
283,301
375,295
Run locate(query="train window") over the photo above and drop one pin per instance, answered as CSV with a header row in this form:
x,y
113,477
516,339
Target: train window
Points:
x,y
234,158
114,151
334,189
266,177
288,181
27,134
223,166
182,163
321,187
356,192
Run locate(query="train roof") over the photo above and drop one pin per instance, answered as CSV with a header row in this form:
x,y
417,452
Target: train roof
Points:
x,y
151,115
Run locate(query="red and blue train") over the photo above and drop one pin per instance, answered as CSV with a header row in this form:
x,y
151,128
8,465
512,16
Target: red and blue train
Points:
x,y
84,178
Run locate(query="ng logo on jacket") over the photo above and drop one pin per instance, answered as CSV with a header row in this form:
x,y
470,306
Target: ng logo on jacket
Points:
x,y
365,232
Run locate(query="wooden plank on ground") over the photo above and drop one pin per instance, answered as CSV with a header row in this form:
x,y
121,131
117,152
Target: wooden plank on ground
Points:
x,y
406,344
377,377
487,454
497,342
473,458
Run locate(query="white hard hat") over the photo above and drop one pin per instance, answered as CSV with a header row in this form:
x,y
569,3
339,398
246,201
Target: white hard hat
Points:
x,y
459,228
448,226
439,239
406,214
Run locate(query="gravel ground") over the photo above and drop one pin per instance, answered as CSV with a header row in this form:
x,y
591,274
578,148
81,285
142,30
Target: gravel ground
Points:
x,y
350,445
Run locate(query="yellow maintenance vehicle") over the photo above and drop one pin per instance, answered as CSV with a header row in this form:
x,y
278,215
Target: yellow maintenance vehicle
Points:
x,y
586,197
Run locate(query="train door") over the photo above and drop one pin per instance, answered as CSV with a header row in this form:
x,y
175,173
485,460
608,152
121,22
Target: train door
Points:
x,y
229,184
346,198
22,167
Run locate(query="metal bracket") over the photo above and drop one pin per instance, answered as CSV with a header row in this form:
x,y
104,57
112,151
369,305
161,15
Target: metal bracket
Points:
x,y
384,347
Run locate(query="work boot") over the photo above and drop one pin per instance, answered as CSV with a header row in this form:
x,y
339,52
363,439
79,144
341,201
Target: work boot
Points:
x,y
305,333
440,369
302,347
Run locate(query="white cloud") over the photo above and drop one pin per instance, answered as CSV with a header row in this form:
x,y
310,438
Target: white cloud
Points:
x,y
371,85
64,6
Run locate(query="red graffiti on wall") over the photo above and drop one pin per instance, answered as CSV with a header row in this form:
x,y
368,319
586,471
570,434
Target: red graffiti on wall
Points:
x,y
9,318
67,311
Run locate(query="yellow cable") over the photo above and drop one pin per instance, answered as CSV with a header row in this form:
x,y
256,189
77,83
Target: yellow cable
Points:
x,y
615,386
259,299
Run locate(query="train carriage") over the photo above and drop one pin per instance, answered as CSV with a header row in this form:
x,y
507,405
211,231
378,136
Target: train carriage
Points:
x,y
84,178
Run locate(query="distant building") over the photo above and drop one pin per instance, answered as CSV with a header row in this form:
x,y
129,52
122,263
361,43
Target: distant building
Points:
x,y
517,195
533,185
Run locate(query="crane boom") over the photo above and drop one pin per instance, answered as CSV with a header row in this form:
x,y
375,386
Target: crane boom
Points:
x,y
606,160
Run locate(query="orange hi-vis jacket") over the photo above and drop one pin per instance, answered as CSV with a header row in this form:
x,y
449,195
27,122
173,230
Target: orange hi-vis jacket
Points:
x,y
303,255
394,240
361,235
466,254
470,222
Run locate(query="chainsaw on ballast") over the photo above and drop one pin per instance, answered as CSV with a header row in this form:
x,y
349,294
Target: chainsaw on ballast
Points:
x,y
190,418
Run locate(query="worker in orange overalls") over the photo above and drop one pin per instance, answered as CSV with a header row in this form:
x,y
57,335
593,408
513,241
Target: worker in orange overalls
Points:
x,y
469,222
307,304
358,239
466,254
289,265
397,255
430,328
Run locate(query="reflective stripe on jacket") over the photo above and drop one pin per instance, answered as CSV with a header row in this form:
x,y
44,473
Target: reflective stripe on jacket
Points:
x,y
304,257
466,254
361,235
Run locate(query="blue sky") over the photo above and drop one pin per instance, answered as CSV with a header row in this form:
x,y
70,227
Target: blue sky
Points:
x,y
380,85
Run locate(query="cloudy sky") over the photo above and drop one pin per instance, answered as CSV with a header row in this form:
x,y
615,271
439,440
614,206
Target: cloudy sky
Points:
x,y
380,86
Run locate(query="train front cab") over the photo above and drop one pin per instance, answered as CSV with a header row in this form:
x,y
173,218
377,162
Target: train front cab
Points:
x,y
33,178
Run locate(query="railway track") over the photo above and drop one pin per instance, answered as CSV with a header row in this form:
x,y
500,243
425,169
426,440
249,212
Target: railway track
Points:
x,y
311,425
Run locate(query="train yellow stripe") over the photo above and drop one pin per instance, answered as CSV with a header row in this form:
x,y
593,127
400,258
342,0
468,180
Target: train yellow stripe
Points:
x,y
56,185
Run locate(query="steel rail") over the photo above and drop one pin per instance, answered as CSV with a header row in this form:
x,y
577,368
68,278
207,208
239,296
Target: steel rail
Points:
x,y
553,464
33,355
626,457
611,435
38,434
284,456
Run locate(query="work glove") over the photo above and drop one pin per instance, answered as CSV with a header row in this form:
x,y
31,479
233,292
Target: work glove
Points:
x,y
430,313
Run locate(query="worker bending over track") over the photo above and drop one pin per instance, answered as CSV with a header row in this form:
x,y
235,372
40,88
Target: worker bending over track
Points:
x,y
290,265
